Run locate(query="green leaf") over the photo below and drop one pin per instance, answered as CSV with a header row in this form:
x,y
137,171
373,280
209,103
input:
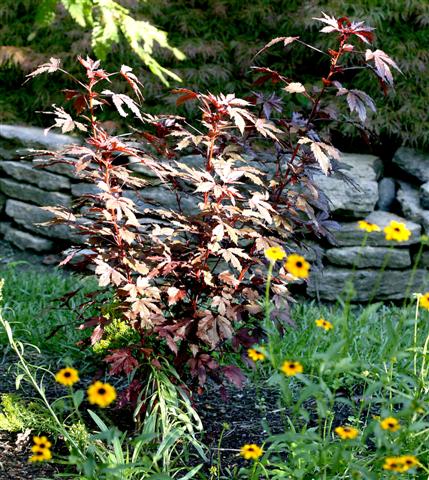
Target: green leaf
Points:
x,y
45,13
78,397
80,11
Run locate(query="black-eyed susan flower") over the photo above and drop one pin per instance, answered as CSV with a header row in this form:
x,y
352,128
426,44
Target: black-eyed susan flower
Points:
x,y
251,451
397,231
255,355
101,394
394,464
40,454
297,266
274,253
347,433
325,324
42,442
67,376
390,423
290,368
368,226
424,301
409,461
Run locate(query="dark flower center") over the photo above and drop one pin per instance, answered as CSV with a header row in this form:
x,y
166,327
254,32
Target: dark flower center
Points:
x,y
390,425
292,365
101,391
408,461
67,374
250,449
299,264
397,229
42,445
39,454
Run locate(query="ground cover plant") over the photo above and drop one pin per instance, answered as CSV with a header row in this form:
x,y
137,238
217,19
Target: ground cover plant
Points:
x,y
193,289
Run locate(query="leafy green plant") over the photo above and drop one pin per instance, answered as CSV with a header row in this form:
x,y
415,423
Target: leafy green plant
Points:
x,y
109,21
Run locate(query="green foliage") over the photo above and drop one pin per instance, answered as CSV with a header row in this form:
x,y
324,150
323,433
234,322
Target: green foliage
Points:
x,y
16,415
108,21
30,295
117,334
219,40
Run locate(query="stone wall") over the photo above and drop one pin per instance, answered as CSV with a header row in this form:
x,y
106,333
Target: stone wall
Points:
x,y
403,195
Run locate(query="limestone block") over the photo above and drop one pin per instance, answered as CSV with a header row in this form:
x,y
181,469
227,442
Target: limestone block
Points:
x,y
409,199
34,136
28,193
424,195
348,200
386,193
391,285
31,216
60,168
25,171
369,257
27,241
413,163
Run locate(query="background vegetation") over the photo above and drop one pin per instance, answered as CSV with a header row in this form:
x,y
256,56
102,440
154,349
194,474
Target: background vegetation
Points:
x,y
219,39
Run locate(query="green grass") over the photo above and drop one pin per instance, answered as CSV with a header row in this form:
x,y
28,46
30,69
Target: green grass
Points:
x,y
31,306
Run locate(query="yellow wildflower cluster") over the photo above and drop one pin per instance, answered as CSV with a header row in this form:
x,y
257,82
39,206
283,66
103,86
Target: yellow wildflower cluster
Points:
x,y
67,376
295,264
101,394
41,449
346,432
400,464
251,451
396,231
368,226
390,423
255,355
290,368
275,253
424,301
325,324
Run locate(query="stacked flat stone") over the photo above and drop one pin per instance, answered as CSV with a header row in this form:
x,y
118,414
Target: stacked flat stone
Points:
x,y
357,191
347,259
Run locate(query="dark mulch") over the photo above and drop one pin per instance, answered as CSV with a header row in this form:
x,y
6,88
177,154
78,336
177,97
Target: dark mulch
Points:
x,y
247,415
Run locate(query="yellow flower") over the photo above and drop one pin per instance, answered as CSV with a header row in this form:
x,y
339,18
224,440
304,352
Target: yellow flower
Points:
x,y
390,423
409,461
251,452
40,454
297,266
42,442
322,323
424,301
255,355
67,376
101,394
347,433
368,226
275,253
394,464
291,368
397,231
